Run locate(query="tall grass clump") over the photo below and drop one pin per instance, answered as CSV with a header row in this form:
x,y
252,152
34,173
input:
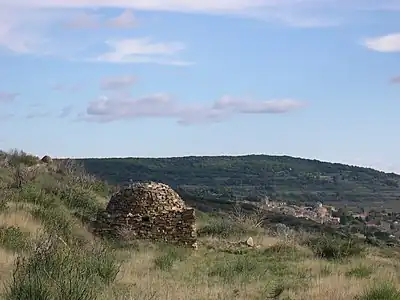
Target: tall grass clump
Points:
x,y
170,255
382,291
58,271
330,247
236,223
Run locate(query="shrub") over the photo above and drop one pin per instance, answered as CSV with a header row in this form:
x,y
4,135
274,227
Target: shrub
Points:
x,y
171,255
80,200
330,247
32,193
360,272
59,272
12,238
222,227
55,220
237,266
16,157
383,291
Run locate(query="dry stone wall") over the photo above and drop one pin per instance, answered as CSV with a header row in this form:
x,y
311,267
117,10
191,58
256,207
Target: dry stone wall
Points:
x,y
152,211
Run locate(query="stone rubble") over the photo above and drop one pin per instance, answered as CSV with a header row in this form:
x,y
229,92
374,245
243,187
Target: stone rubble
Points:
x,y
150,211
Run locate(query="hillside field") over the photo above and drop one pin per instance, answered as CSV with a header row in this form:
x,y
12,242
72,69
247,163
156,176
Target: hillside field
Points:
x,y
216,179
47,251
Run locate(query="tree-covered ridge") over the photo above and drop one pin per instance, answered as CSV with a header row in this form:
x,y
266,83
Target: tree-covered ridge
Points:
x,y
252,176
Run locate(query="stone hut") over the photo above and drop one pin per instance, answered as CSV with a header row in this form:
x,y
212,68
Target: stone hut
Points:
x,y
47,159
151,211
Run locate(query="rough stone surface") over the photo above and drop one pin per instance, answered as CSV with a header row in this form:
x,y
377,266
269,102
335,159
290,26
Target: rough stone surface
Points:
x,y
250,242
152,211
47,159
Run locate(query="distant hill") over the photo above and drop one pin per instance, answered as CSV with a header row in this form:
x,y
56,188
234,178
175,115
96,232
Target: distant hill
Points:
x,y
222,178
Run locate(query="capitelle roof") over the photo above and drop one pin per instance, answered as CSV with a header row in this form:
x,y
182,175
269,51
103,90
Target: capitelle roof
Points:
x,y
146,198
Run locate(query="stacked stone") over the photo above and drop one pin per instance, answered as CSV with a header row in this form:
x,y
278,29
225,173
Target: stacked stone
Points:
x,y
146,198
148,211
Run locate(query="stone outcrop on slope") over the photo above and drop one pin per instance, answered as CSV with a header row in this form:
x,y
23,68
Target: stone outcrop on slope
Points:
x,y
151,211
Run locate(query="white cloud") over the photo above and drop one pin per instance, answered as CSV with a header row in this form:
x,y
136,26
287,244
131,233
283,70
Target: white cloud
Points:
x,y
200,5
25,26
116,108
170,5
86,20
251,106
125,20
386,43
117,83
142,50
25,31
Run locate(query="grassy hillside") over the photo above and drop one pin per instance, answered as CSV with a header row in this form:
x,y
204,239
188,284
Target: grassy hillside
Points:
x,y
48,253
231,177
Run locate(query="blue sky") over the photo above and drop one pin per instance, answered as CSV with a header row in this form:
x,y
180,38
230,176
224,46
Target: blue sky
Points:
x,y
99,78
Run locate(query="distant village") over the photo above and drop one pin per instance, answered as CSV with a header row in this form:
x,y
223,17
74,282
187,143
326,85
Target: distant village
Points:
x,y
380,223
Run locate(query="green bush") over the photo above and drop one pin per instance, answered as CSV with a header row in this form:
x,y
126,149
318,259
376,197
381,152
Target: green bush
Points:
x,y
170,255
55,219
383,291
79,200
244,266
360,272
17,157
223,228
330,247
62,273
12,238
32,193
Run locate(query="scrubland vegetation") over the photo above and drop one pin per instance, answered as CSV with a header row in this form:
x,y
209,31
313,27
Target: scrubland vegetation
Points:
x,y
48,252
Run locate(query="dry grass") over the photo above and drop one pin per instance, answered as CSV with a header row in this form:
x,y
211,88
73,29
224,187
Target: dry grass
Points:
x,y
306,278
221,268
190,276
20,218
6,265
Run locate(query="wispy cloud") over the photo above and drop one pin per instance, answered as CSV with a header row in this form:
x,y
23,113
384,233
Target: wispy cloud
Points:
x,y
395,80
25,30
125,20
26,26
8,97
37,115
117,83
62,87
203,5
385,43
107,109
303,13
142,50
86,20
66,111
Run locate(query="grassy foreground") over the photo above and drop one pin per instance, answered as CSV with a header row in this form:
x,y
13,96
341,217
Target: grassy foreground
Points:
x,y
47,251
